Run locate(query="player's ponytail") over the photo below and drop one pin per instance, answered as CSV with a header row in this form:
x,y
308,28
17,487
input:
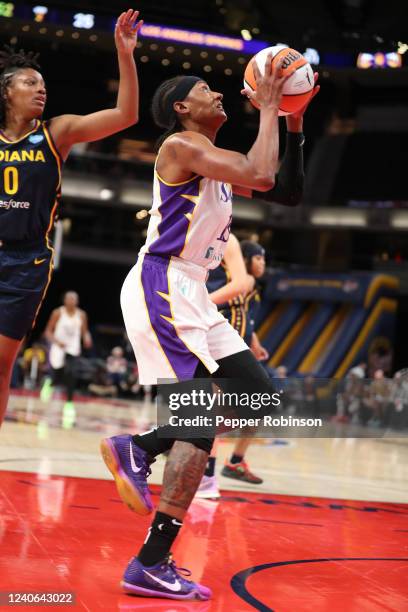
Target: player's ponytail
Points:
x,y
11,61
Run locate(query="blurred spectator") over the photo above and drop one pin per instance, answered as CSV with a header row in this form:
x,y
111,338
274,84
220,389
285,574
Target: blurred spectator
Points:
x,y
379,398
101,384
397,417
349,401
310,398
34,365
116,366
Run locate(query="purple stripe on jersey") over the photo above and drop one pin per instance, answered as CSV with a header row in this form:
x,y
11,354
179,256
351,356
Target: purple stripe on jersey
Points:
x,y
154,279
174,224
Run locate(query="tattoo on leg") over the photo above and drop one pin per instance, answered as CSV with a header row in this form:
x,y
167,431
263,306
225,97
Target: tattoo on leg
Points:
x,y
182,474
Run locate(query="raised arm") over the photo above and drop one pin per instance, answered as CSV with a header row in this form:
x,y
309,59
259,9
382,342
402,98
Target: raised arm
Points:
x,y
194,153
67,130
240,282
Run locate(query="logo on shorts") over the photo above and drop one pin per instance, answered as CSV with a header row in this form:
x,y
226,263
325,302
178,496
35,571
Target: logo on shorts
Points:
x,y
37,262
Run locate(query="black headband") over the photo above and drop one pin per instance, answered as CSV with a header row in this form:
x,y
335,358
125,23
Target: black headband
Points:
x,y
180,93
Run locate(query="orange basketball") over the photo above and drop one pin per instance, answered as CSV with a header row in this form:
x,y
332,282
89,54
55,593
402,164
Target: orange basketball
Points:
x,y
298,88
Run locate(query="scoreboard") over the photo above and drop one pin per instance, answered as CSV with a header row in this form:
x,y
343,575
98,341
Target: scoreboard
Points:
x,y
43,13
81,20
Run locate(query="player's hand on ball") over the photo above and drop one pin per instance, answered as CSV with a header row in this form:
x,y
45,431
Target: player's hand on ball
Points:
x,y
316,90
126,31
268,86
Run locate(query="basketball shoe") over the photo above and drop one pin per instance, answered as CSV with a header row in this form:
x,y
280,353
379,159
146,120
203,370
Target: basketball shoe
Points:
x,y
162,580
208,488
130,467
47,390
68,415
240,471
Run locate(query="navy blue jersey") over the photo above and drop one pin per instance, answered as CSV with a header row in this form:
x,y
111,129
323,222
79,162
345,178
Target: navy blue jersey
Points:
x,y
30,186
218,278
252,303
233,310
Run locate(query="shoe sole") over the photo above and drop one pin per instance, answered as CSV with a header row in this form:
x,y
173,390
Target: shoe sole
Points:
x,y
136,590
128,493
207,495
241,478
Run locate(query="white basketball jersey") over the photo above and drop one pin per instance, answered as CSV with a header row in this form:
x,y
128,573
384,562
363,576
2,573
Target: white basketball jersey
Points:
x,y
67,331
190,220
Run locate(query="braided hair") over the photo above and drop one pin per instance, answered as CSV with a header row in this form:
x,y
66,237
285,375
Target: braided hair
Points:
x,y
11,61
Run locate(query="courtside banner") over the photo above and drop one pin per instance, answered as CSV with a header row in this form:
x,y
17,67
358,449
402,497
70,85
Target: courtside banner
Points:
x,y
357,288
291,408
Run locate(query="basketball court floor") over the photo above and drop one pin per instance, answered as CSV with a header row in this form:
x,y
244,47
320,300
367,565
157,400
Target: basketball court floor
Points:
x,y
326,531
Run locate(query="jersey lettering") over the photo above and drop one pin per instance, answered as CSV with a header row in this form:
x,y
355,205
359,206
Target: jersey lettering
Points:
x,y
226,192
225,234
10,176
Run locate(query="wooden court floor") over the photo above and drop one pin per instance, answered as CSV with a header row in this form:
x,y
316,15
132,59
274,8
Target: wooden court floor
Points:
x,y
326,531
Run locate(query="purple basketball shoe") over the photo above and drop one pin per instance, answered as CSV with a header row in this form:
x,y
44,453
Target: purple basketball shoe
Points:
x,y
130,467
162,580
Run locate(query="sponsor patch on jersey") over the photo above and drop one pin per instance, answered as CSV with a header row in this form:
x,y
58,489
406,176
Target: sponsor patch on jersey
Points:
x,y
36,138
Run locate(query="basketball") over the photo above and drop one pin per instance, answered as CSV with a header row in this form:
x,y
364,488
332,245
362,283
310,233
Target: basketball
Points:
x,y
297,90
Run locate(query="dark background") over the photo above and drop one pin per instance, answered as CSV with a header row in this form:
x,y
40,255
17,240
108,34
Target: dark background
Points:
x,y
356,134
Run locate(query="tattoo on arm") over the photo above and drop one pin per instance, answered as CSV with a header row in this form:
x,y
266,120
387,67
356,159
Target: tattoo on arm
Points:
x,y
184,469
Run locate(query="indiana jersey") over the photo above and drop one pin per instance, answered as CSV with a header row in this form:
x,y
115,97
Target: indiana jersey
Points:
x,y
234,309
218,278
190,220
30,182
252,303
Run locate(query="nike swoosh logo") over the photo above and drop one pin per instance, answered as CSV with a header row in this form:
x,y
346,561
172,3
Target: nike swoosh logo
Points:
x,y
37,262
173,586
132,461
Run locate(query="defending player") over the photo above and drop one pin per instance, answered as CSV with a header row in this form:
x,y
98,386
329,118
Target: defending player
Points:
x,y
241,262
32,152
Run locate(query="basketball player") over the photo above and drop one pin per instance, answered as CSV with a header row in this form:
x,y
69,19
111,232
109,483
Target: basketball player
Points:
x,y
175,329
31,154
228,284
254,257
67,326
240,310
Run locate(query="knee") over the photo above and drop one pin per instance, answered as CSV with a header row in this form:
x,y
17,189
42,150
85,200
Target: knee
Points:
x,y
204,444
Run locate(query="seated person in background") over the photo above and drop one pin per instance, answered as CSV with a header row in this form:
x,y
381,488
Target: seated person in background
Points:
x,y
34,364
380,391
116,366
397,416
